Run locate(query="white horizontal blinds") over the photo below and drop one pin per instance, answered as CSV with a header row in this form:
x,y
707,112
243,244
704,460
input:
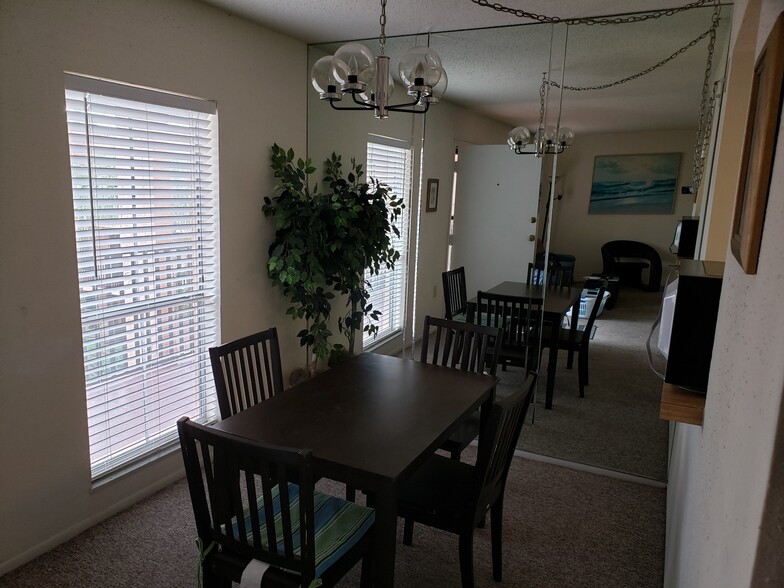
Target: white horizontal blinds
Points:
x,y
145,210
389,161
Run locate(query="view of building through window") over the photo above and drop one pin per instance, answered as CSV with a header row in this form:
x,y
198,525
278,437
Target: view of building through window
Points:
x,y
145,210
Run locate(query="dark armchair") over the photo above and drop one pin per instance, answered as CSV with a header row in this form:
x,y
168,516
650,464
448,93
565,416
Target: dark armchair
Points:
x,y
627,260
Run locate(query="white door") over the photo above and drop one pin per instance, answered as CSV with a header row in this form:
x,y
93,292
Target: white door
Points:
x,y
496,197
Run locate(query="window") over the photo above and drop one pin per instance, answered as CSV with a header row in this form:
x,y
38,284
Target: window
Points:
x,y
389,161
143,167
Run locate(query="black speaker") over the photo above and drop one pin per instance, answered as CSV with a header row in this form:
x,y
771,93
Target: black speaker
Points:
x,y
684,243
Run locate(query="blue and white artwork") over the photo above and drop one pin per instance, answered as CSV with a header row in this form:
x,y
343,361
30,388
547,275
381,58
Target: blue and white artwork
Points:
x,y
634,184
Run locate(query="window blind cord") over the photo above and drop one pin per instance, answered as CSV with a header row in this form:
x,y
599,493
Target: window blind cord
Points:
x,y
90,183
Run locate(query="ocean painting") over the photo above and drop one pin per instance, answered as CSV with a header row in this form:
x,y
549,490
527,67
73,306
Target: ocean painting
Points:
x,y
634,184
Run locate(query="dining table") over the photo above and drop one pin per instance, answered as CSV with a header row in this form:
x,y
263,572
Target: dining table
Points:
x,y
370,422
556,303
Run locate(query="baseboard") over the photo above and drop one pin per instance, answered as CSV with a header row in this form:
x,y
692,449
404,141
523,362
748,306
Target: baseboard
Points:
x,y
591,469
74,530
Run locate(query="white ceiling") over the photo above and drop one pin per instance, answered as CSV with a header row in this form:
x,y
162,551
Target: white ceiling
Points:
x,y
498,71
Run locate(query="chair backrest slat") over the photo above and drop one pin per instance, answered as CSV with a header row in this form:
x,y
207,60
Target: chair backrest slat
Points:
x,y
246,371
466,346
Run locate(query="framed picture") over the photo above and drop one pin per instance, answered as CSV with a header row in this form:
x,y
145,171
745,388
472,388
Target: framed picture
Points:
x,y
432,195
634,184
758,151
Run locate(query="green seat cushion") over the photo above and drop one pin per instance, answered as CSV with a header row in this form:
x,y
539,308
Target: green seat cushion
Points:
x,y
339,525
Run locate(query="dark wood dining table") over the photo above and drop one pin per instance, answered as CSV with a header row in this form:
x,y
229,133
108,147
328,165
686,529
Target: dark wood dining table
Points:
x,y
557,301
370,421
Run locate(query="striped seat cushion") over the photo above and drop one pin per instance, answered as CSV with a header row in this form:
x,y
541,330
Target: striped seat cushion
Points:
x,y
339,525
459,317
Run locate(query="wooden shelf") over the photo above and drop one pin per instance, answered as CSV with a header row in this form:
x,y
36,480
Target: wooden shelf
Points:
x,y
684,406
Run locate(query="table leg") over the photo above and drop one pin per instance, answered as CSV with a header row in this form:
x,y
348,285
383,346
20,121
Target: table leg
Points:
x,y
384,500
552,363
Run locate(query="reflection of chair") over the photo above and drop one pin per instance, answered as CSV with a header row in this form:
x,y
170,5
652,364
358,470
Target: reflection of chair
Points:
x,y
557,276
454,496
577,341
256,501
455,298
627,259
520,318
469,347
246,371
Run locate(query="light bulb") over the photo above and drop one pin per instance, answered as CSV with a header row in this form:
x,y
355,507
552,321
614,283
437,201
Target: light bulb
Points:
x,y
322,76
360,66
565,136
420,69
518,137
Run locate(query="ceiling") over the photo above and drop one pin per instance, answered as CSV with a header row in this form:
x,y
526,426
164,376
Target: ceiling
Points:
x,y
498,71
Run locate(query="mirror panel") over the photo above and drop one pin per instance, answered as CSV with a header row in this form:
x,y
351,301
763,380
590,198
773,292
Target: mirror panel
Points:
x,y
621,430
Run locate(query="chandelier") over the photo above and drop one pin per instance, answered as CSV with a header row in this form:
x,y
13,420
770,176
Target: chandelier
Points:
x,y
545,140
354,70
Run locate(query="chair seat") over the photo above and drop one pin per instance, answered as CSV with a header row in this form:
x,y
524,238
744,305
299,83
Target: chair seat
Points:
x,y
339,525
460,317
567,338
441,489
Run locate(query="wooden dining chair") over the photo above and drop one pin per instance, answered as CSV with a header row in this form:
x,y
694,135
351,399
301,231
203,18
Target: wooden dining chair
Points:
x,y
257,501
465,346
246,371
577,341
557,277
455,296
521,321
454,496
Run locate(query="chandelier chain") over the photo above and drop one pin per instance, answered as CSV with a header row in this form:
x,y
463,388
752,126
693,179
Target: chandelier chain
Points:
x,y
590,20
382,20
542,91
710,32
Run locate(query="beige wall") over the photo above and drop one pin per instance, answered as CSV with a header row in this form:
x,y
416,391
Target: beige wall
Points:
x,y
720,473
175,45
575,232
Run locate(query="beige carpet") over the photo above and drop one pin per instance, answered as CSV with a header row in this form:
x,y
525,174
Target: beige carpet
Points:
x,y
617,425
562,528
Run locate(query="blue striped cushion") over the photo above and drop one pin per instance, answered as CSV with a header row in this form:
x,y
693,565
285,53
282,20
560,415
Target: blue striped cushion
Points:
x,y
338,524
459,317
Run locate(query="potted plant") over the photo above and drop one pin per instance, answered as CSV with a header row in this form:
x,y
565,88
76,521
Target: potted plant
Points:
x,y
324,242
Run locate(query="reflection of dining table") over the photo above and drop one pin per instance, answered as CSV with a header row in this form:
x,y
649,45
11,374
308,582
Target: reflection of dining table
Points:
x,y
370,422
557,301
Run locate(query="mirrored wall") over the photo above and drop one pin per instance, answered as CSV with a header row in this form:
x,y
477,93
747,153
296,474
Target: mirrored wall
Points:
x,y
493,211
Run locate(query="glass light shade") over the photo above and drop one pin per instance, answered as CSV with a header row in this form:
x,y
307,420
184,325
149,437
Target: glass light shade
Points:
x,y
322,76
420,66
438,90
550,134
359,61
518,137
565,136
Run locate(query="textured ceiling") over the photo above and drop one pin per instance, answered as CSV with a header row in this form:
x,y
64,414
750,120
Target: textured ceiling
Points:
x,y
498,71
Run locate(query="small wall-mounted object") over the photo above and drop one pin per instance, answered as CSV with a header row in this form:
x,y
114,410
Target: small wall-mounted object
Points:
x,y
687,189
432,195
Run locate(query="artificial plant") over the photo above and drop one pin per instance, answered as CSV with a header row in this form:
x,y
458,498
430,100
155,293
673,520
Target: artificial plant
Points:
x,y
324,242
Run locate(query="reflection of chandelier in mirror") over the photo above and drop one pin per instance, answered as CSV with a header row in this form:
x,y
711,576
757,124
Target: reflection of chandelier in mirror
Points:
x,y
545,140
354,70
